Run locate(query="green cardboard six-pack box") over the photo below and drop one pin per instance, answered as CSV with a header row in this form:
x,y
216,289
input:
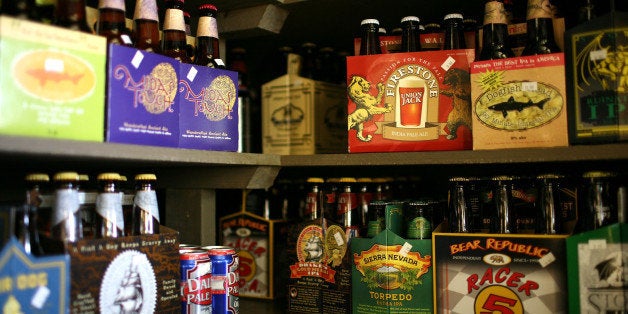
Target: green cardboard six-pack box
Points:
x,y
52,82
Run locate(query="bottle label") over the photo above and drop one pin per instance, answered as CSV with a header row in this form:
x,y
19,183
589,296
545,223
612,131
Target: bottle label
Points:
x,y
146,10
112,4
539,9
147,200
494,13
419,228
375,227
174,20
109,206
311,203
347,202
66,203
207,27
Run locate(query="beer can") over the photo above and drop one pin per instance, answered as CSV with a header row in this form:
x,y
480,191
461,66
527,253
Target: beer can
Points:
x,y
196,271
225,280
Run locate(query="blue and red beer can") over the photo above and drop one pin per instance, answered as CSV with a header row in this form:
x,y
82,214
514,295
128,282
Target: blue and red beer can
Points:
x,y
225,280
196,276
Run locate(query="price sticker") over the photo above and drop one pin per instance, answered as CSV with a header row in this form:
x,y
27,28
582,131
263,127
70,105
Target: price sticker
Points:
x,y
192,74
448,63
137,59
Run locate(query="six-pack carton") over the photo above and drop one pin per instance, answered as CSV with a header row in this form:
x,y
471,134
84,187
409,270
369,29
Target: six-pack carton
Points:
x,y
596,262
391,274
499,272
417,101
208,112
142,105
261,244
53,81
519,102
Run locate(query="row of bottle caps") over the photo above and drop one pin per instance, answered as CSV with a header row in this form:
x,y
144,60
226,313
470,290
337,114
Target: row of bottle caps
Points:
x,y
69,209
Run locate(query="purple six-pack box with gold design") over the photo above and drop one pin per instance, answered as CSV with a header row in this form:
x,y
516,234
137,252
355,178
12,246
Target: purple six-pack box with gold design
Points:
x,y
208,116
142,103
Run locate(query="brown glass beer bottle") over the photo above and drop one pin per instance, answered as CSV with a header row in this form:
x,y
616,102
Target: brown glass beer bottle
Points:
x,y
369,41
21,9
109,218
495,33
410,41
111,22
71,15
454,32
66,223
146,26
29,215
145,207
173,41
540,29
207,51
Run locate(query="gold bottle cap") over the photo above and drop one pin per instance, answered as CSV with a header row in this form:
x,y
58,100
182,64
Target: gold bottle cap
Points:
x,y
145,177
42,177
108,176
598,174
315,180
66,176
83,177
502,178
364,180
549,176
122,178
459,179
347,180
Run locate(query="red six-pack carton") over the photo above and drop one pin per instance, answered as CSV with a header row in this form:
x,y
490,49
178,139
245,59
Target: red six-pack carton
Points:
x,y
419,101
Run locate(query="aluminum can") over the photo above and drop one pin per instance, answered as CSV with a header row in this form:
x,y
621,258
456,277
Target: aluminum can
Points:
x,y
196,271
225,280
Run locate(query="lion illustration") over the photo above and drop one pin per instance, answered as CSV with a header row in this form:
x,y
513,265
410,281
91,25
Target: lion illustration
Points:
x,y
460,91
366,104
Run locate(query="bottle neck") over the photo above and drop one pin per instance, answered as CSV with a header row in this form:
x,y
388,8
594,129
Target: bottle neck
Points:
x,y
454,35
370,44
71,14
410,37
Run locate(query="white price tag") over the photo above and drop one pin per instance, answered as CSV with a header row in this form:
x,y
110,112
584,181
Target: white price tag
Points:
x,y
39,298
339,239
598,55
547,259
137,59
192,74
54,65
529,86
405,249
448,63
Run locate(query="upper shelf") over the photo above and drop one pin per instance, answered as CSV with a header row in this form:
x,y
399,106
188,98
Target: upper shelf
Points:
x,y
185,168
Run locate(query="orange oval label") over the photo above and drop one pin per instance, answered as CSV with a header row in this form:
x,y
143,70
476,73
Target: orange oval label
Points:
x,y
53,76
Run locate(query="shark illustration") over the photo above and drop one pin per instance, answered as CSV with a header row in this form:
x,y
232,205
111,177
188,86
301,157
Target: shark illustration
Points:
x,y
511,104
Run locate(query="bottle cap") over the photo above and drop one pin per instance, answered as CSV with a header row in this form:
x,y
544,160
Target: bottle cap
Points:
x,y
37,177
458,179
315,180
66,176
108,176
145,177
549,176
347,180
364,180
382,30
453,16
369,21
83,177
207,6
597,174
410,18
502,178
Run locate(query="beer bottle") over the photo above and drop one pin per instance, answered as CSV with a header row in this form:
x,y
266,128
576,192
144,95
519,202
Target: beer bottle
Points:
x,y
397,31
495,33
376,221
549,204
21,9
348,210
470,27
586,12
460,216
280,63
109,219
146,26
599,200
190,49
145,218
365,196
410,36
71,15
432,37
505,220
250,112
328,65
418,220
45,10
540,30
383,190
330,202
29,215
111,22
309,64
369,39
207,51
173,40
127,194
66,223
87,200
454,32
314,198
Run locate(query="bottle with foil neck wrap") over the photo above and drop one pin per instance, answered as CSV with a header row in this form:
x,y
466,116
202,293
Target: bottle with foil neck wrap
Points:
x,y
109,218
173,40
207,51
145,207
495,33
540,29
66,223
146,26
112,22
